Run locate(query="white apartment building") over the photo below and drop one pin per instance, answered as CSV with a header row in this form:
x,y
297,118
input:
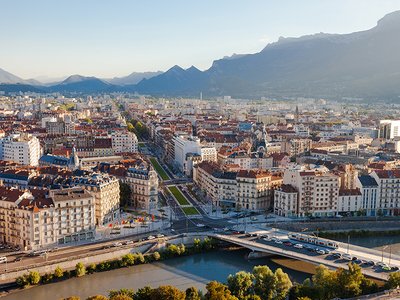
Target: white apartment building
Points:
x,y
318,190
389,129
286,201
124,142
388,190
182,146
370,194
21,148
350,202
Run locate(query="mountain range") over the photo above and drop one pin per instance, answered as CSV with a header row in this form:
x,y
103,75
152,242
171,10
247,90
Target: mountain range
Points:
x,y
363,64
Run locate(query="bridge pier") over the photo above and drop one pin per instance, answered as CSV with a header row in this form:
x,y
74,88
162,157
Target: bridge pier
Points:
x,y
257,254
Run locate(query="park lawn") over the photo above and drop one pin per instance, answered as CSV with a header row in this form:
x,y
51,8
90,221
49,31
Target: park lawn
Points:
x,y
178,195
190,210
159,169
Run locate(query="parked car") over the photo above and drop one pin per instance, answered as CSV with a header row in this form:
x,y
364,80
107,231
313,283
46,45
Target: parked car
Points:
x,y
321,251
117,244
298,246
160,235
151,237
278,241
128,242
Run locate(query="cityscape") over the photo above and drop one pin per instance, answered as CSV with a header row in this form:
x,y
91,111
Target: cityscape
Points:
x,y
271,175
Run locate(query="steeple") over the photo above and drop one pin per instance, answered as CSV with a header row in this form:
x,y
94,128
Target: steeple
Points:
x,y
73,163
297,114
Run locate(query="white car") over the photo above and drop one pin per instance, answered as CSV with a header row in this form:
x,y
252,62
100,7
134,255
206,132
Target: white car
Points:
x,y
278,241
151,237
320,251
298,246
117,244
128,242
200,225
160,235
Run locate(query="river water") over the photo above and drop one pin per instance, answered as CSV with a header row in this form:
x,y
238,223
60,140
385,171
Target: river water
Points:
x,y
183,272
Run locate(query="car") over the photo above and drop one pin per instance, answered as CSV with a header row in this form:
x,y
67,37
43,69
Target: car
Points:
x,y
106,247
357,261
117,244
370,263
128,242
321,251
298,246
394,268
248,234
200,225
347,257
151,237
278,241
354,258
386,268
267,239
287,243
160,235
336,255
17,259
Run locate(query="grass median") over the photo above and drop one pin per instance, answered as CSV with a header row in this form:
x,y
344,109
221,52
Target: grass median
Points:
x,y
178,195
159,169
190,210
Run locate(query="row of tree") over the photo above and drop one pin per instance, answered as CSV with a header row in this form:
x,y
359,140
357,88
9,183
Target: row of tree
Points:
x,y
138,128
130,259
263,283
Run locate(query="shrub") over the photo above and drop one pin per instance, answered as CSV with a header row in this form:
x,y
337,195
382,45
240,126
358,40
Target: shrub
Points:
x,y
22,281
128,260
156,256
139,258
33,277
46,278
91,269
80,269
58,272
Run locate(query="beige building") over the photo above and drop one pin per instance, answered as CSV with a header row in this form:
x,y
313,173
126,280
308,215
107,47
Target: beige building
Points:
x,y
255,189
40,219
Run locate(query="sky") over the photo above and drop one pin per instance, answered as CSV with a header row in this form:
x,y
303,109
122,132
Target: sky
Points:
x,y
115,38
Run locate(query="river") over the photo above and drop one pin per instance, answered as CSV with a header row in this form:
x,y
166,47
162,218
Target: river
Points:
x,y
183,272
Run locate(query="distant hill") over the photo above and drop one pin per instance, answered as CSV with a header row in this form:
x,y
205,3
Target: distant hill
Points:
x,y
132,78
82,84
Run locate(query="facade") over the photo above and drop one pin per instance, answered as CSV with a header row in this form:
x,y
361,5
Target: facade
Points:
x,y
143,181
286,201
182,146
370,194
255,189
21,148
124,142
389,129
296,146
388,190
36,219
350,202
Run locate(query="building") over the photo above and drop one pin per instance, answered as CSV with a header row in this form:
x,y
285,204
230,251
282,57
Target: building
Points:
x,y
350,202
21,148
389,129
255,189
39,219
296,146
124,142
182,146
286,201
143,182
388,190
370,194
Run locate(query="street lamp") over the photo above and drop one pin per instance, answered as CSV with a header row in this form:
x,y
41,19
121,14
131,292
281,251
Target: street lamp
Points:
x,y
383,248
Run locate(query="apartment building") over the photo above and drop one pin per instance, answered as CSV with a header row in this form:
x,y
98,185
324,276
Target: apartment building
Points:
x,y
389,191
286,201
350,202
21,148
124,142
318,190
370,192
39,219
295,146
143,181
255,189
389,129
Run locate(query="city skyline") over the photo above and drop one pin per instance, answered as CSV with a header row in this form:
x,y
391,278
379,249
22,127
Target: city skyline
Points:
x,y
108,40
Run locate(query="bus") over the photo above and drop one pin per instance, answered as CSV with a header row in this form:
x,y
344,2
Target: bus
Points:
x,y
3,260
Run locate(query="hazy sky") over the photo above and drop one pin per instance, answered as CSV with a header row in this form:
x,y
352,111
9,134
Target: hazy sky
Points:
x,y
107,38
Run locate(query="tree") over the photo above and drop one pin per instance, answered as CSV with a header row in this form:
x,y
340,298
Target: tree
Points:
x,y
139,258
192,294
264,282
143,293
91,268
325,281
282,284
128,260
121,297
72,298
125,292
97,297
241,284
124,194
33,277
58,272
167,292
393,280
218,291
22,281
80,269
252,297
156,256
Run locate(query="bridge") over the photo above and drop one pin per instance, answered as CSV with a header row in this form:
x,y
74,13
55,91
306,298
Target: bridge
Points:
x,y
258,244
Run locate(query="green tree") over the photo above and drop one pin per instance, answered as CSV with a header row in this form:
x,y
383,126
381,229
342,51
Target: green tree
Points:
x,y
218,291
192,294
325,281
349,281
264,282
125,194
167,292
241,284
282,284
33,277
91,268
22,281
97,297
121,297
126,292
393,280
80,269
139,258
58,272
143,293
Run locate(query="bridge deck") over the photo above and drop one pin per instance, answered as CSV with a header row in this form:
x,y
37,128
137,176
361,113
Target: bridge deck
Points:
x,y
256,244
